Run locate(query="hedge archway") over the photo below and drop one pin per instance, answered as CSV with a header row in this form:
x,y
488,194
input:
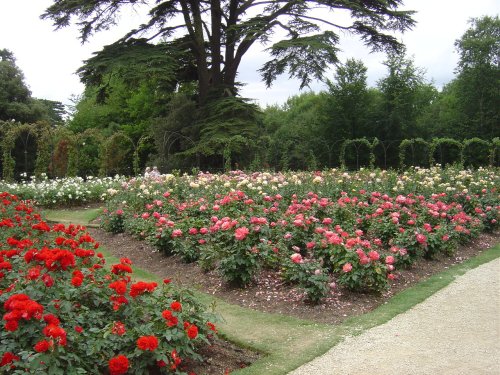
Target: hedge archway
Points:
x,y
386,154
413,150
445,151
45,147
476,152
360,159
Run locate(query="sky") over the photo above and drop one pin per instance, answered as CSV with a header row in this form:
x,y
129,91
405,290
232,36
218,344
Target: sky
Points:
x,y
49,58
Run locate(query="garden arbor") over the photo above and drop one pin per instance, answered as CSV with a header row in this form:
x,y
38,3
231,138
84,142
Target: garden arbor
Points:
x,y
25,149
36,149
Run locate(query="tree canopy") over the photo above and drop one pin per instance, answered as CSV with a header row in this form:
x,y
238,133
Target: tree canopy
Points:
x,y
478,80
216,34
16,103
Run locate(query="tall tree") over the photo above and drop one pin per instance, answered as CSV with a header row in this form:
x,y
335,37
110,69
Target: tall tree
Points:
x,y
56,111
218,33
16,102
478,78
405,95
14,94
349,99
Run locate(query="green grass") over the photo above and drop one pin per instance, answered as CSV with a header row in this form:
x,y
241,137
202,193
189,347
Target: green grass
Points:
x,y
67,216
287,342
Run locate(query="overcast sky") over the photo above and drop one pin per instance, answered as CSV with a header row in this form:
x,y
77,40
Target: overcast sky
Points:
x,y
50,58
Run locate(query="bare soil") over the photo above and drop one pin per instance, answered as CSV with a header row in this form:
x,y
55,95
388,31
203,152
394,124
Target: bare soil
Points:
x,y
269,294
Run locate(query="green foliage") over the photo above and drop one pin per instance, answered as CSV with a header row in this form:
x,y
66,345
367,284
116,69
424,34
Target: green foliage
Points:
x,y
234,28
304,58
310,277
16,102
175,132
405,96
298,134
476,152
113,221
226,126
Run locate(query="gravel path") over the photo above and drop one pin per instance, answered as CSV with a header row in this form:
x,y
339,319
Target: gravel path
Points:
x,y
455,331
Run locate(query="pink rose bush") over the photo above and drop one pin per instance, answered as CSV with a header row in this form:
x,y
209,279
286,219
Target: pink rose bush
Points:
x,y
356,234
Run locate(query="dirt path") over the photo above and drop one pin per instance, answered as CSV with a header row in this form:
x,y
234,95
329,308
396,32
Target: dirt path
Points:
x,y
455,331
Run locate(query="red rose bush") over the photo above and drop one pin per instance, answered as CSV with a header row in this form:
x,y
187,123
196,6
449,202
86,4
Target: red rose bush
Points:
x,y
65,312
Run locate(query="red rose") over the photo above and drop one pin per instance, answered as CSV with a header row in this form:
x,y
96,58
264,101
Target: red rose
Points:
x,y
118,328
176,306
192,331
120,287
118,365
51,319
42,346
147,343
76,281
7,358
11,325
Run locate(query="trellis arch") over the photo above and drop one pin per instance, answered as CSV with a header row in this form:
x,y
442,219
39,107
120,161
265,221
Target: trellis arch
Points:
x,y
411,145
140,145
386,159
64,148
437,145
476,152
85,161
45,147
358,144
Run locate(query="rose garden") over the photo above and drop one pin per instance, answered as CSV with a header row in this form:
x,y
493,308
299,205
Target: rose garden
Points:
x,y
63,306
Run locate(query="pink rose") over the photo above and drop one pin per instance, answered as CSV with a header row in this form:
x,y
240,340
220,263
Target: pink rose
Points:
x,y
421,238
296,258
363,260
241,233
176,233
347,267
389,259
373,255
310,245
